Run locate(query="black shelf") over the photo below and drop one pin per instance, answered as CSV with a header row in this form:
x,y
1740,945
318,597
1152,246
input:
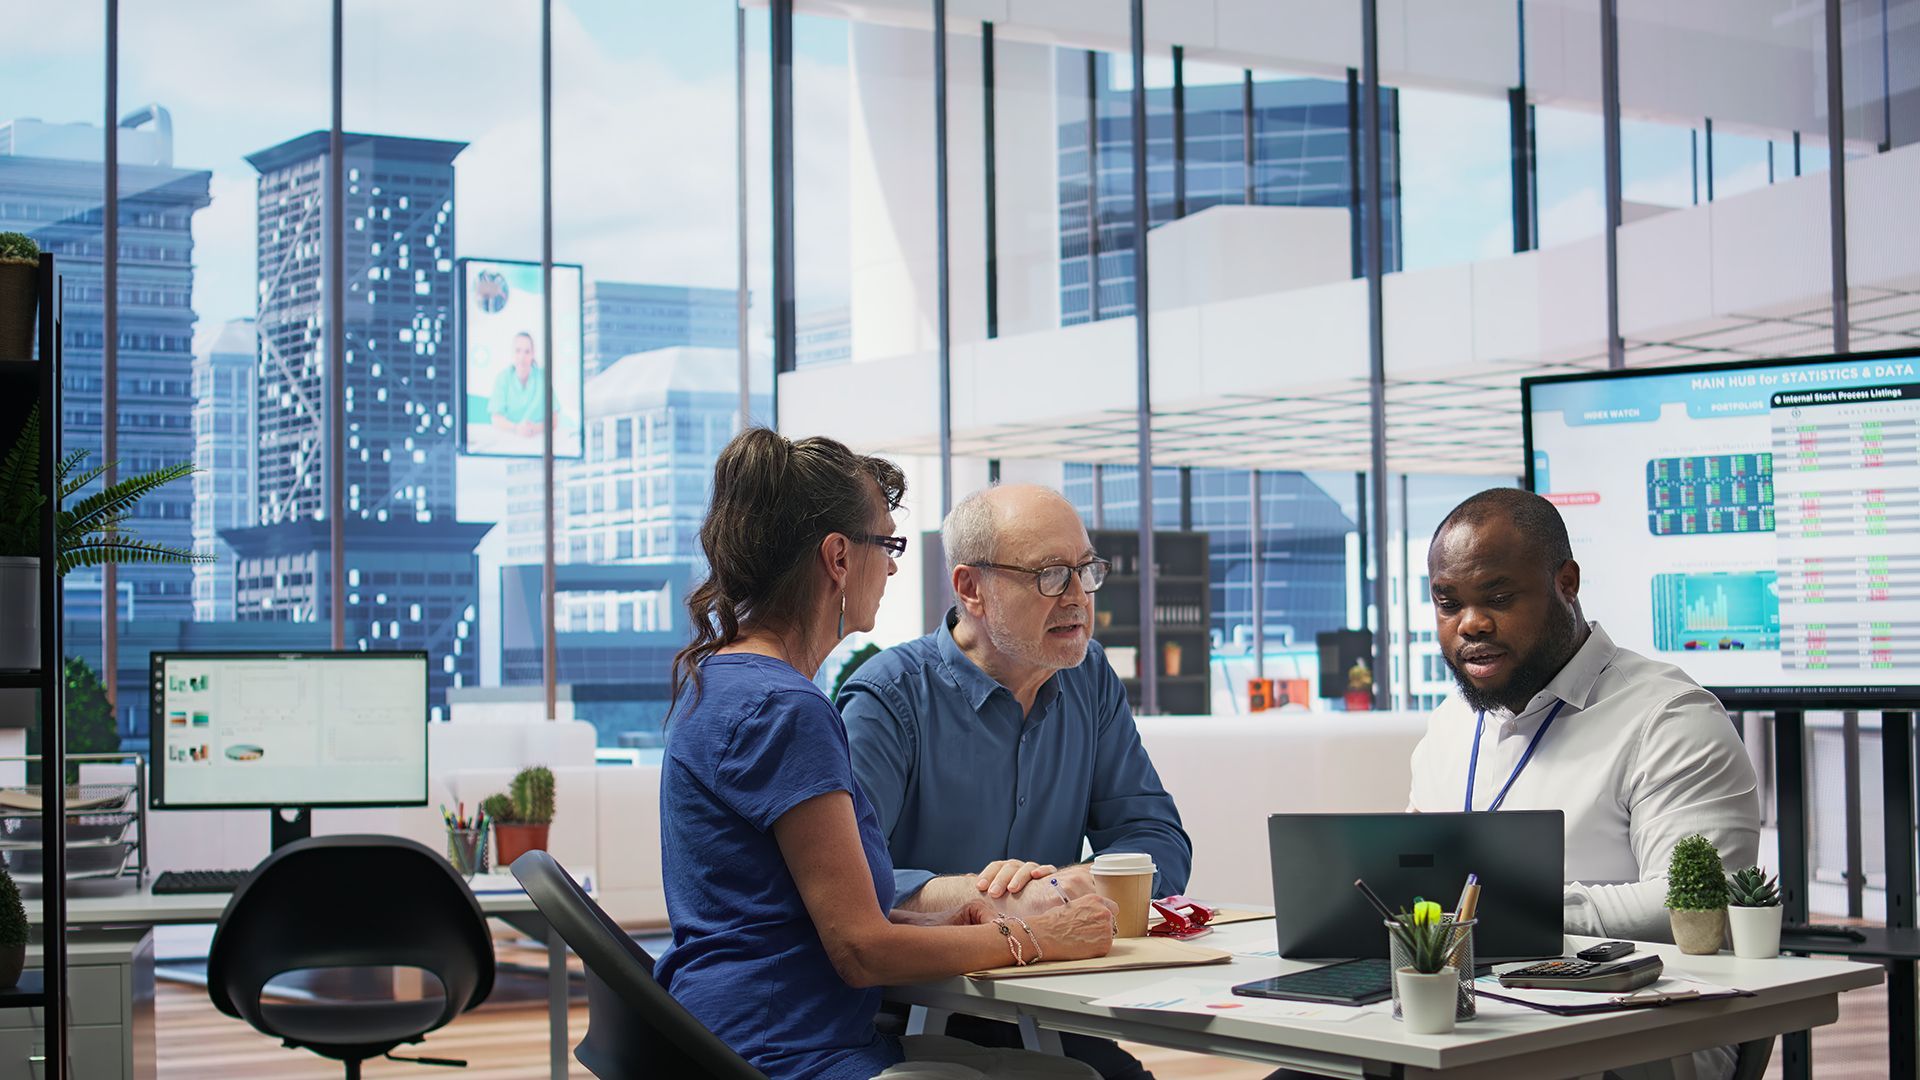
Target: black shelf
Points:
x,y
1182,584
24,369
22,680
1881,944
29,994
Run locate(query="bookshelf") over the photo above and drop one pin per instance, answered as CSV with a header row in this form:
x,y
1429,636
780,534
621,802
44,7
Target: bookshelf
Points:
x,y
1182,620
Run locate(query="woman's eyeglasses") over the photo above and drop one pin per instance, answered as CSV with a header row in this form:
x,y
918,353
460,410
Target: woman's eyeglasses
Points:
x,y
1052,580
896,545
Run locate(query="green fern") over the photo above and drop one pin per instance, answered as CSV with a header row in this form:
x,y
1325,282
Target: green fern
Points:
x,y
90,531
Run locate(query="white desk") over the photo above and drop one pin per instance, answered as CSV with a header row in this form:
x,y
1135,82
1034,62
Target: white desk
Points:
x,y
142,908
1791,994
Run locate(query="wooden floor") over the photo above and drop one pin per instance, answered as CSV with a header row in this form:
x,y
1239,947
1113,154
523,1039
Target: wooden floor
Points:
x,y
196,1042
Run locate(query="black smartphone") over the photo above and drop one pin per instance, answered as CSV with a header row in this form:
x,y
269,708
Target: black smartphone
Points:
x,y
1605,951
1350,982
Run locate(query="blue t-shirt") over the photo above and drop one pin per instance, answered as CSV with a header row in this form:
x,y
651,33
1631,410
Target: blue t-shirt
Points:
x,y
746,959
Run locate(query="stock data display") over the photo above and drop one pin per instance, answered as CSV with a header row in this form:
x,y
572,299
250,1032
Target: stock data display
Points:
x,y
1756,524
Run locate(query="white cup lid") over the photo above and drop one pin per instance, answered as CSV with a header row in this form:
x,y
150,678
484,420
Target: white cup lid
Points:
x,y
1123,863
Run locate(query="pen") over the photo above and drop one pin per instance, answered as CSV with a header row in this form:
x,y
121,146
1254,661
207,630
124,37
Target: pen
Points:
x,y
1374,899
1460,909
1055,882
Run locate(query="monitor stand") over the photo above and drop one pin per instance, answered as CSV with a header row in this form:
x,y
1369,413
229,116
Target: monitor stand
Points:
x,y
290,823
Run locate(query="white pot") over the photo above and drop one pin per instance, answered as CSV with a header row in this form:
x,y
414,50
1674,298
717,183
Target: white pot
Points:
x,y
1756,931
1428,1002
19,613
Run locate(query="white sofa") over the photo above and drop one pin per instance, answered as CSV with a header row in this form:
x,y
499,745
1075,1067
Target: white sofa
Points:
x,y
1225,773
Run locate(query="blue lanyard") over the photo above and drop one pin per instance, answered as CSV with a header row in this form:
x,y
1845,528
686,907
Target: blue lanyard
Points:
x,y
1473,763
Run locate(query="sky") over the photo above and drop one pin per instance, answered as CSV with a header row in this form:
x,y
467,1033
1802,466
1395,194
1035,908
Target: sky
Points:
x,y
644,134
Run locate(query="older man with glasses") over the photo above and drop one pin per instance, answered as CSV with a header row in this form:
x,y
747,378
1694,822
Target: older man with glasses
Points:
x,y
995,747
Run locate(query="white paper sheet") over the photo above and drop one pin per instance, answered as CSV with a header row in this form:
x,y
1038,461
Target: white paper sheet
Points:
x,y
1211,999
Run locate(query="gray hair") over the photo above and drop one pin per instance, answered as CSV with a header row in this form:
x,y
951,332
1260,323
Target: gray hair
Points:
x,y
971,533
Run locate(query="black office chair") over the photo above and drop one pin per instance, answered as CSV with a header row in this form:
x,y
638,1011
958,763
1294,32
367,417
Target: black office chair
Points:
x,y
635,1028
350,902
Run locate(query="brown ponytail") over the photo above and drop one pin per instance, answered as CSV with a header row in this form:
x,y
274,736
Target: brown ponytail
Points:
x,y
773,501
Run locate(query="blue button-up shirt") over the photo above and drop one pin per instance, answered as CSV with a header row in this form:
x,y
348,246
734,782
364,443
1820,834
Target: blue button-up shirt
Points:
x,y
960,778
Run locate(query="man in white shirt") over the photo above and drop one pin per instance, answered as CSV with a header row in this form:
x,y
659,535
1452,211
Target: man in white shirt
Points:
x,y
1552,715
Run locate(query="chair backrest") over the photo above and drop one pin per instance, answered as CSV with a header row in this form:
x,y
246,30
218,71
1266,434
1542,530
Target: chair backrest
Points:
x,y
350,901
634,1027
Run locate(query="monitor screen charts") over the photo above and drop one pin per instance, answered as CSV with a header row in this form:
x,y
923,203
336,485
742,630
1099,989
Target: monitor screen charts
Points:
x,y
1756,524
312,729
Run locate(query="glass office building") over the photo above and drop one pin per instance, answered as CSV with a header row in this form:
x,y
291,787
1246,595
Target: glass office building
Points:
x,y
1762,207
52,189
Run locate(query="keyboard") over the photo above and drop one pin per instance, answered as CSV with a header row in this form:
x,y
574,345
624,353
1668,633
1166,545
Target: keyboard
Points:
x,y
174,882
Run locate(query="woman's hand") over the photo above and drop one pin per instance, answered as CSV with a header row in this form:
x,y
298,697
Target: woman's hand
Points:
x,y
1081,929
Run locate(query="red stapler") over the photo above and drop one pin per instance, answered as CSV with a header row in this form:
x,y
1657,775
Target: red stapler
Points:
x,y
1181,918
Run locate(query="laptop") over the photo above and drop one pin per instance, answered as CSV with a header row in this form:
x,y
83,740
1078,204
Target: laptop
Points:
x,y
1520,856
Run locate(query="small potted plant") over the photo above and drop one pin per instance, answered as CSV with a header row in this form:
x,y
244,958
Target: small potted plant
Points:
x,y
90,532
1429,986
1753,914
19,294
1697,896
13,932
522,817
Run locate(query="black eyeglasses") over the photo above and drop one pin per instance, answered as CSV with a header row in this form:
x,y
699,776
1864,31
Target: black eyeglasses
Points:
x,y
1052,580
896,545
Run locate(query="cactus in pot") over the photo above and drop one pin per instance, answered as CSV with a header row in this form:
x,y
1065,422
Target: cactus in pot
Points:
x,y
527,823
1753,913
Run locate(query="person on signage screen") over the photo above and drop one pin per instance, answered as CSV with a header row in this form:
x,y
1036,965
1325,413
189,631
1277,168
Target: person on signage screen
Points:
x,y
778,882
1550,714
994,747
519,400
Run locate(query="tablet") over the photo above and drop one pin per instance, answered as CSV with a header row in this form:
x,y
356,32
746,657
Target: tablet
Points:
x,y
1351,982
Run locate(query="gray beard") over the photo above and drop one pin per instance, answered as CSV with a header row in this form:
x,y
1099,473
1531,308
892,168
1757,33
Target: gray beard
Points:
x,y
1530,676
1013,646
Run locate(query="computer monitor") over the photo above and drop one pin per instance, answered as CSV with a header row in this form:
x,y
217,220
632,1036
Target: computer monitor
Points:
x,y
1756,523
273,730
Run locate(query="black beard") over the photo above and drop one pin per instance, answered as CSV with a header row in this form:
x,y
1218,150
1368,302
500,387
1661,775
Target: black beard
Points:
x,y
1530,675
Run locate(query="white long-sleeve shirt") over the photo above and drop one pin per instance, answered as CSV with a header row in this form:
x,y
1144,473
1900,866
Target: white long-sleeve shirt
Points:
x,y
1638,757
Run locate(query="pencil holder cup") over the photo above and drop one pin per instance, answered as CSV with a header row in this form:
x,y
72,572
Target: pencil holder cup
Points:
x,y
1459,958
467,851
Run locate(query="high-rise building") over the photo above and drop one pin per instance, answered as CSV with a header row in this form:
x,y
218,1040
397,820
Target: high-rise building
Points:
x,y
411,570
1302,156
225,450
823,337
655,423
52,188
621,318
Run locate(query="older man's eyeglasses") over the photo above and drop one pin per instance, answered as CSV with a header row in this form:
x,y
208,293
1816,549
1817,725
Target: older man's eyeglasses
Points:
x,y
896,545
1052,580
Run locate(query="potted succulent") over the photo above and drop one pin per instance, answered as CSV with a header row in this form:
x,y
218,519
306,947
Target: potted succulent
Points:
x,y
1753,914
19,294
13,931
522,818
1429,986
88,533
1697,896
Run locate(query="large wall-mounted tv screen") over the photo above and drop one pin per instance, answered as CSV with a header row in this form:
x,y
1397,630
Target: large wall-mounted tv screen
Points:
x,y
1757,524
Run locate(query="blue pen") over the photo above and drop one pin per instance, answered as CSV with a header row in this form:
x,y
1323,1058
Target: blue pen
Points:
x,y
1055,882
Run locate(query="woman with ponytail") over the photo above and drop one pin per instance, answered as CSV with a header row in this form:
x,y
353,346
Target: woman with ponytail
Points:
x,y
777,878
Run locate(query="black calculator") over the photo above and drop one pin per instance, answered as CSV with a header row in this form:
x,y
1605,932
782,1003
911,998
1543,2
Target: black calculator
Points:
x,y
1568,973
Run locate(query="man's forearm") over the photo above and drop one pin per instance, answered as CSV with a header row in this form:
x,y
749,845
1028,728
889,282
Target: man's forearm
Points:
x,y
941,894
1636,910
